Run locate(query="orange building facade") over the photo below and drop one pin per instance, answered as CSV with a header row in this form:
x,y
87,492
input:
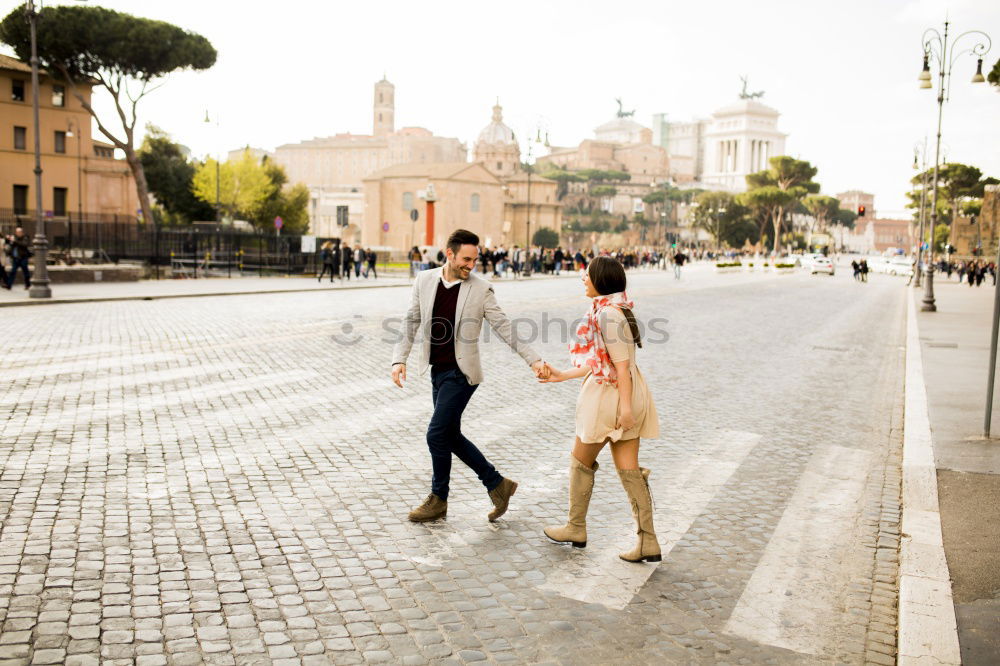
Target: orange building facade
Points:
x,y
79,174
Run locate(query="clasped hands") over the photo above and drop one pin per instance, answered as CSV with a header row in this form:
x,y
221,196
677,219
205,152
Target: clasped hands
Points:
x,y
543,372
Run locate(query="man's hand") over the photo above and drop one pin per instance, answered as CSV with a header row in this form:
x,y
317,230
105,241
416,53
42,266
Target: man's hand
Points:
x,y
399,374
541,369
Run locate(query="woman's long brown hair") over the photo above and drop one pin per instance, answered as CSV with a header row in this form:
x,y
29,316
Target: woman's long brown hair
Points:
x,y
608,277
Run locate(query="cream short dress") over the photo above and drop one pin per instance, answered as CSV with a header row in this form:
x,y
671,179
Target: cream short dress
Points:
x,y
597,405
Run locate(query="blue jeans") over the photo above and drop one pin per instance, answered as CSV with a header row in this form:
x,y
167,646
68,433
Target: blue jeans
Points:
x,y
22,264
451,392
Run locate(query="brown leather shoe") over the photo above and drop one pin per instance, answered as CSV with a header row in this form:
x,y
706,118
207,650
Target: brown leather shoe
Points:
x,y
501,498
433,508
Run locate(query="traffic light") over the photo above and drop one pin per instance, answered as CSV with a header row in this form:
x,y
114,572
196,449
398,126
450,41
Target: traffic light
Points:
x,y
861,211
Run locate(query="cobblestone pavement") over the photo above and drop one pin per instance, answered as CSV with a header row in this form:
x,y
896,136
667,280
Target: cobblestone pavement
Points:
x,y
218,480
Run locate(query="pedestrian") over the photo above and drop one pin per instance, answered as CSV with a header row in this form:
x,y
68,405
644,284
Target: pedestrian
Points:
x,y
5,280
326,256
614,406
347,258
864,270
414,261
371,258
18,248
359,260
558,257
446,299
679,260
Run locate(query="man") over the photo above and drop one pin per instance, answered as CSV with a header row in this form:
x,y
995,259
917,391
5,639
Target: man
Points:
x,y
679,260
19,249
359,260
448,307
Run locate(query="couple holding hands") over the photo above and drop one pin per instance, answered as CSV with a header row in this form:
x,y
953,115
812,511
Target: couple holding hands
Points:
x,y
449,305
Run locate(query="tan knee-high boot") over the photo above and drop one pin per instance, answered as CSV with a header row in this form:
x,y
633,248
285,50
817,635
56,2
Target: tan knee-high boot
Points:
x,y
581,485
636,484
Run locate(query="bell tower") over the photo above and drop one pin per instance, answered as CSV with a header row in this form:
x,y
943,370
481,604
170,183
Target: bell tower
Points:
x,y
384,108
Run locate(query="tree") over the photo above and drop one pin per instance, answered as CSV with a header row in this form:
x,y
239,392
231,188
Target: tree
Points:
x,y
545,238
994,75
712,213
788,175
845,217
121,53
169,175
957,185
942,233
769,203
244,185
290,204
564,178
823,209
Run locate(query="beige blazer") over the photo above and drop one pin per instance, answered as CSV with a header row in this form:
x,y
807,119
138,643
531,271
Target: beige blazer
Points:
x,y
476,302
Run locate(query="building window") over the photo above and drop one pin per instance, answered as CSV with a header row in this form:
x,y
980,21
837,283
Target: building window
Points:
x,y
59,201
17,90
20,200
474,203
60,141
499,166
20,138
58,95
407,201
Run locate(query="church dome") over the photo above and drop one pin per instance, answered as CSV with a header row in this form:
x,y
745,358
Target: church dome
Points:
x,y
496,132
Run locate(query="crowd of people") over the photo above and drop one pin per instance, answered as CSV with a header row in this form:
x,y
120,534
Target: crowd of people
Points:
x,y
973,271
341,260
502,262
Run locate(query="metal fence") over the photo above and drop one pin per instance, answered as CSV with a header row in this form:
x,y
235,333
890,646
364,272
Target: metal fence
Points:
x,y
170,251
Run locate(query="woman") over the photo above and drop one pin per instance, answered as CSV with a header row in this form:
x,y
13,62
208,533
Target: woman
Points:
x,y
326,254
614,406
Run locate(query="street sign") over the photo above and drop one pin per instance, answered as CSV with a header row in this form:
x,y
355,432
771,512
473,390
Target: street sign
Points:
x,y
414,214
385,226
278,222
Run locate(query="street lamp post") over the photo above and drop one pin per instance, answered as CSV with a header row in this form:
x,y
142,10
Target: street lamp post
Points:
x,y
922,165
40,282
527,259
936,47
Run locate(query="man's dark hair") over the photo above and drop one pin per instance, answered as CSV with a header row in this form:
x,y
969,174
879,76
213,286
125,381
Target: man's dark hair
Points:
x,y
460,237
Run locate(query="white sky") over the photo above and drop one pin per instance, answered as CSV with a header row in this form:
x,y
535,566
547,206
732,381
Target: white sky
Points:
x,y
843,74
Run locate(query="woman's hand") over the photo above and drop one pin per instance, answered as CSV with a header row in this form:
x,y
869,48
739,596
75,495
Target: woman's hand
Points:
x,y
553,375
626,421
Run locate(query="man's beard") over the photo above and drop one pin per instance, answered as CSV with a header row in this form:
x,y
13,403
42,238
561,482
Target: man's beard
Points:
x,y
456,271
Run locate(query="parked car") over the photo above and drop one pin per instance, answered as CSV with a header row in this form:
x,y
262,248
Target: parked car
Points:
x,y
820,264
900,266
877,264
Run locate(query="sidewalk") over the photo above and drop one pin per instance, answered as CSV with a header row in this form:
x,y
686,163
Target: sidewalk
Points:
x,y
84,292
954,346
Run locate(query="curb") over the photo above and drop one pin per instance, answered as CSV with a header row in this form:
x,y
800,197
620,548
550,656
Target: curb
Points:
x,y
928,630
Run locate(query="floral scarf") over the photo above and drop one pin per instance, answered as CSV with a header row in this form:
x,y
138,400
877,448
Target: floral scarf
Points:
x,y
589,351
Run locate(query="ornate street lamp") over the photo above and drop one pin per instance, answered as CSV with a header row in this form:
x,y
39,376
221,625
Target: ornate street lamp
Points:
x,y
40,280
920,164
936,48
530,167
